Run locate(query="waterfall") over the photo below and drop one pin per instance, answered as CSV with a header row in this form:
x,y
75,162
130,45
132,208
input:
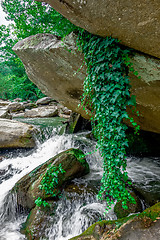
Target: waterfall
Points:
x,y
72,215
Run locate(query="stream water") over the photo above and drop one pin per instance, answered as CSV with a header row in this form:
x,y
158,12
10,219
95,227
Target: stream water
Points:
x,y
76,213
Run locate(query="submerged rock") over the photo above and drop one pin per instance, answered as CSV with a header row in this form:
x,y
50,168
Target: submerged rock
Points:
x,y
35,226
145,225
27,188
14,134
42,220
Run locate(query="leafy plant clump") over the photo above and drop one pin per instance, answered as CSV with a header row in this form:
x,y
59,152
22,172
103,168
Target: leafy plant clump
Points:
x,y
49,183
107,94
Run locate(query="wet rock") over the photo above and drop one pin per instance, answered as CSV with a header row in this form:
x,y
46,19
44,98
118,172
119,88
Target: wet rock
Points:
x,y
45,111
42,218
35,226
145,225
15,134
151,196
134,23
44,101
77,123
27,188
132,208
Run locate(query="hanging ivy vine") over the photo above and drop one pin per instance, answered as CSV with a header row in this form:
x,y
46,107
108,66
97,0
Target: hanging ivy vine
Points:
x,y
107,93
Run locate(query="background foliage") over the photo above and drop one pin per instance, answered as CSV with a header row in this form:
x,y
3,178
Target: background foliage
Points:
x,y
27,18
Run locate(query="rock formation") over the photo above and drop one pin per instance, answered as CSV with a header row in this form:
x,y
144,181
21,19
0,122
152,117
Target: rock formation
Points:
x,y
57,68
15,134
134,23
140,226
27,188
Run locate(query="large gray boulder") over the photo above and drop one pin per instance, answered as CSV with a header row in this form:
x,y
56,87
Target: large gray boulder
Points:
x,y
53,68
15,134
52,65
136,23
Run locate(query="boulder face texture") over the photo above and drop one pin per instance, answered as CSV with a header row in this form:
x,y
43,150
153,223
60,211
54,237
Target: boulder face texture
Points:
x,y
47,111
27,188
143,226
53,68
134,23
52,65
15,134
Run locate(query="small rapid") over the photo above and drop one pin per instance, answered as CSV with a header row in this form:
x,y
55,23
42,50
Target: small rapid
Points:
x,y
74,213
13,168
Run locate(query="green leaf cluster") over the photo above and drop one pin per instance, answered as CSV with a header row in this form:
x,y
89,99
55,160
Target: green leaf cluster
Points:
x,y
49,183
107,93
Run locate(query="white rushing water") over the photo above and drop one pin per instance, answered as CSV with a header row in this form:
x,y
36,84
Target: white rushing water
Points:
x,y
70,217
14,168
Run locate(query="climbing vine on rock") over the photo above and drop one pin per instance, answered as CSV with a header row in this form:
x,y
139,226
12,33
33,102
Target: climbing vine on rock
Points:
x,y
107,93
49,184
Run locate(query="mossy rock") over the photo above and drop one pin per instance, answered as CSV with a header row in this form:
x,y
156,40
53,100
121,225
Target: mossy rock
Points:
x,y
37,222
132,207
73,163
144,225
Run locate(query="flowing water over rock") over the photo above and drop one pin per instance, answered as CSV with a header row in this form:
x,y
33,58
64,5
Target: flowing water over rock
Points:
x,y
72,214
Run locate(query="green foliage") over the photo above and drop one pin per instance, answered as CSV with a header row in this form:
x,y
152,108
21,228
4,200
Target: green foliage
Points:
x,y
13,79
49,183
39,202
107,93
27,18
31,17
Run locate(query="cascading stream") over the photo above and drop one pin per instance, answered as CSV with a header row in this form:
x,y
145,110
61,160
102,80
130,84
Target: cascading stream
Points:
x,y
74,215
14,168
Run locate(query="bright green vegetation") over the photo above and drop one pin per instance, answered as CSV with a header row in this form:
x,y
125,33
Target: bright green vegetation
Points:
x,y
107,93
28,18
106,88
49,183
